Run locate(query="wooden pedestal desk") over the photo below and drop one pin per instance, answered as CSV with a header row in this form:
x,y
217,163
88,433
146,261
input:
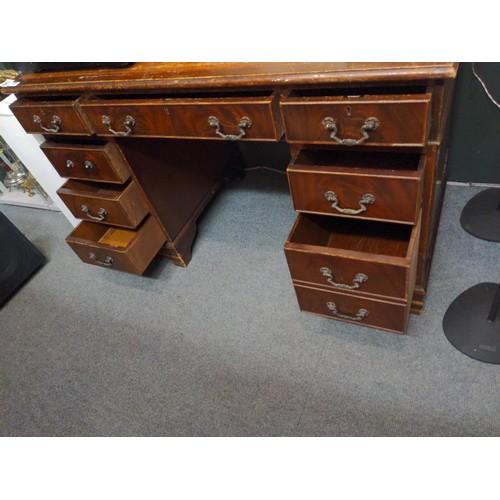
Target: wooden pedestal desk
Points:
x,y
145,147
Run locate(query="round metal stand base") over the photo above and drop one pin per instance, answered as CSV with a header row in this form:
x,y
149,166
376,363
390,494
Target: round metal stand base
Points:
x,y
466,324
481,216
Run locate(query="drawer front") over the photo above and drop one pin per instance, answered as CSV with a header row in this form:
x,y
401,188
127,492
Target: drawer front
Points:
x,y
369,121
374,266
354,309
51,117
89,162
385,195
343,273
233,119
124,207
134,258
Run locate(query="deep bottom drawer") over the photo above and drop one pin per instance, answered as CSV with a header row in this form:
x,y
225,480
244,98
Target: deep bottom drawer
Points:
x,y
385,315
128,250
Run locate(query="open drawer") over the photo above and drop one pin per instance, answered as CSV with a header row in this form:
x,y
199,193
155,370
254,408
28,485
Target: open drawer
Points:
x,y
347,120
56,117
106,203
245,117
365,311
359,184
115,248
92,162
354,256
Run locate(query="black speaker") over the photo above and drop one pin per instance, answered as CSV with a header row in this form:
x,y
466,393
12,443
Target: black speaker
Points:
x,y
19,258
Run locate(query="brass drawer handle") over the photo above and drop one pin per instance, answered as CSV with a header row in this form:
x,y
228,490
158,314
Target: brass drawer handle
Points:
x,y
56,122
88,165
70,164
128,123
370,125
101,215
244,123
358,279
108,261
360,315
367,199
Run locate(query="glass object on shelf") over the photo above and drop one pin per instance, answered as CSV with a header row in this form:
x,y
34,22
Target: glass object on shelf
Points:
x,y
16,178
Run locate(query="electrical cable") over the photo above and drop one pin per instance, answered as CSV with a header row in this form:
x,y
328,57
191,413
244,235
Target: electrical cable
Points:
x,y
484,86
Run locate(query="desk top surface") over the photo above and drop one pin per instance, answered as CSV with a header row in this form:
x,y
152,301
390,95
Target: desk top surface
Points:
x,y
197,75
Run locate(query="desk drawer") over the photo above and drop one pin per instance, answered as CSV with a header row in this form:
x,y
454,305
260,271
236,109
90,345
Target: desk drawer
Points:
x,y
234,118
96,162
119,249
105,203
399,120
392,316
359,257
379,186
57,117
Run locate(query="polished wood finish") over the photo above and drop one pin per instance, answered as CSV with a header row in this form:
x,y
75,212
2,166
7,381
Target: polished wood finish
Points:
x,y
385,253
106,162
72,120
412,102
124,206
394,179
158,76
403,119
130,250
188,117
384,315
180,177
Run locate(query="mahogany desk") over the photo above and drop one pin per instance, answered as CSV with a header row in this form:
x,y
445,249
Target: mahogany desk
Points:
x,y
146,147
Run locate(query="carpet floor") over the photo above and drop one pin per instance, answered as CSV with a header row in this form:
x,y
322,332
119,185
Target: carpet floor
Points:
x,y
221,349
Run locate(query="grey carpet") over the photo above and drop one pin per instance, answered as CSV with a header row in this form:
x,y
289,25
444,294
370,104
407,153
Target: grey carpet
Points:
x,y
221,348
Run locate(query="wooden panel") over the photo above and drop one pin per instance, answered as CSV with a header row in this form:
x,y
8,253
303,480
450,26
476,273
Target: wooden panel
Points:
x,y
334,252
179,177
116,205
331,182
180,118
195,75
125,250
385,315
403,119
88,162
71,120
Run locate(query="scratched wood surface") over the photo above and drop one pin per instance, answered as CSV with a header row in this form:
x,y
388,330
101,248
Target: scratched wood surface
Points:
x,y
157,76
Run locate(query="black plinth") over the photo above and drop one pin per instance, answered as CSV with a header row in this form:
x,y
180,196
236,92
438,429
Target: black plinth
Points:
x,y
481,216
472,322
19,258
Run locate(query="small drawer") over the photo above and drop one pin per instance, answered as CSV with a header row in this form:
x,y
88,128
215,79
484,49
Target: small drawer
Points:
x,y
365,185
105,203
232,118
92,162
368,120
125,250
55,117
354,256
364,311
